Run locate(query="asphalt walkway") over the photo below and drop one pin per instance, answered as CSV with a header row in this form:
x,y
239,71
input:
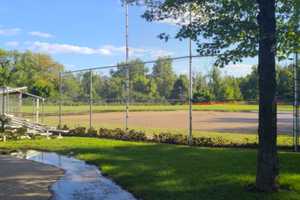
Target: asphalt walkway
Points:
x,y
26,180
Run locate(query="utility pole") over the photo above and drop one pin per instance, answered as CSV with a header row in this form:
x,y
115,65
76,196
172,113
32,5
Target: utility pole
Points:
x,y
127,67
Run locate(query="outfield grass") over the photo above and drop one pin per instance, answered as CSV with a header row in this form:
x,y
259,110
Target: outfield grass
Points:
x,y
53,109
157,171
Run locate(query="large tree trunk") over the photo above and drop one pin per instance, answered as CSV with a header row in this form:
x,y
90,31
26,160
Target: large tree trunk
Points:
x,y
267,158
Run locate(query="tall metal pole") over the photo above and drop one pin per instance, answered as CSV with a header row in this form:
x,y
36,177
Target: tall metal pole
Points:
x,y
91,96
127,67
60,101
190,137
297,125
296,104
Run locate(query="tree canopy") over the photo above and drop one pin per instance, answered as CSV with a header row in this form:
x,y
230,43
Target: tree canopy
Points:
x,y
226,28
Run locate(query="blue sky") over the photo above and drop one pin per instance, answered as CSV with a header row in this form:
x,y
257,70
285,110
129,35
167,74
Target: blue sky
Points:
x,y
81,34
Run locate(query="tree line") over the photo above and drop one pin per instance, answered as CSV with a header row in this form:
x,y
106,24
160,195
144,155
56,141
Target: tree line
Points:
x,y
162,84
39,72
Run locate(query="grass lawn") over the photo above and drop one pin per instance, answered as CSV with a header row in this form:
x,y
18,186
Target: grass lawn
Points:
x,y
158,171
53,109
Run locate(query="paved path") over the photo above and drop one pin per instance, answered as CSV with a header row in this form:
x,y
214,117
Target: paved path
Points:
x,y
26,180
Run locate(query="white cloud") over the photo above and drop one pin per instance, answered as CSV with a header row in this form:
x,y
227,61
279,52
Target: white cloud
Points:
x,y
139,52
106,50
12,43
160,53
9,31
41,34
55,48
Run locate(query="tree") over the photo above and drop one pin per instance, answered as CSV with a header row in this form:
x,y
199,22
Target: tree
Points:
x,y
70,87
201,91
163,76
238,29
180,89
285,81
232,89
216,84
85,83
38,72
6,69
249,85
136,68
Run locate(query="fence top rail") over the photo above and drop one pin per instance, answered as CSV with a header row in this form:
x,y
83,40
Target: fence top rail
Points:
x,y
34,96
128,65
9,90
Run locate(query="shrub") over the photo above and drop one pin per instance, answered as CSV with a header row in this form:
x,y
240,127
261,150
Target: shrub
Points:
x,y
21,131
120,134
136,135
91,132
170,138
4,120
203,141
64,127
79,131
166,137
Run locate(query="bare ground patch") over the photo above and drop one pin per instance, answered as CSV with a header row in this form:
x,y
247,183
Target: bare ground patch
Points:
x,y
229,122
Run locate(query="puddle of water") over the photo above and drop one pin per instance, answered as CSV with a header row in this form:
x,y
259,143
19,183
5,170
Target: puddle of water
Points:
x,y
81,181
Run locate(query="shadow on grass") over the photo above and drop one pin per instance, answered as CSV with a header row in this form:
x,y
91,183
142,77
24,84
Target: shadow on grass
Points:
x,y
158,171
155,171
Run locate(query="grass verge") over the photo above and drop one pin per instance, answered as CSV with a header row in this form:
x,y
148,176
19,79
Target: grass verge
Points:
x,y
160,171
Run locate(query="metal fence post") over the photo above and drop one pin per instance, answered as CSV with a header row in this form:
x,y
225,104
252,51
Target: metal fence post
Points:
x,y
190,135
60,101
37,111
3,100
91,97
296,105
43,111
127,67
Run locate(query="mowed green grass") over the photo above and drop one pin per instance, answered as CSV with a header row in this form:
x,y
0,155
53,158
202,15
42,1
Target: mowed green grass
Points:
x,y
158,171
53,109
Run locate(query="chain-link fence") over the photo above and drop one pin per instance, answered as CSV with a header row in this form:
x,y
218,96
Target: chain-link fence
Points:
x,y
158,98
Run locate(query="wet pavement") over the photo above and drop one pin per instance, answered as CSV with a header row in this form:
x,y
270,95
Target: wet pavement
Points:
x,y
81,181
26,180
